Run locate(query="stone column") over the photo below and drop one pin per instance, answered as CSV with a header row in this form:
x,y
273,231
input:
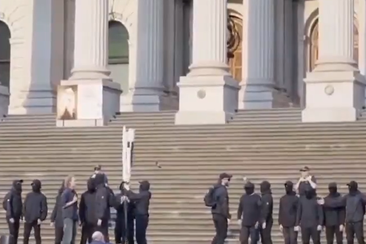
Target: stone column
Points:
x,y
147,91
208,94
89,97
91,40
258,55
335,89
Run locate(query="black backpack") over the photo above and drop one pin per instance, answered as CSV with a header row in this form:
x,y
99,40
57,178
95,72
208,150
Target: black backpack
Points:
x,y
209,198
6,200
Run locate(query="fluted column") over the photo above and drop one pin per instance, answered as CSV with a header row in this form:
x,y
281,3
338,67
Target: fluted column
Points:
x,y
209,38
91,40
336,23
150,44
258,50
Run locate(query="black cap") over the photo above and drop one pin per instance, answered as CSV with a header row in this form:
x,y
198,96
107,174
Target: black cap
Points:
x,y
332,185
36,182
225,176
353,184
289,183
305,169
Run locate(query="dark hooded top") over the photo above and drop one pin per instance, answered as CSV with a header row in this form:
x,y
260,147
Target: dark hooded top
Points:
x,y
334,216
249,209
104,198
288,207
267,201
141,199
14,204
120,208
221,199
56,216
35,204
309,213
87,204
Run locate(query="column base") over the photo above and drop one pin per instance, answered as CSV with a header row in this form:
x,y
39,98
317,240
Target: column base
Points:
x,y
35,100
256,96
87,102
136,101
4,100
333,96
207,99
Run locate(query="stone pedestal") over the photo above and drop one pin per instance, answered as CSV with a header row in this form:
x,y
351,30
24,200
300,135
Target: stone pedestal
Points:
x,y
89,97
256,90
335,89
146,92
208,94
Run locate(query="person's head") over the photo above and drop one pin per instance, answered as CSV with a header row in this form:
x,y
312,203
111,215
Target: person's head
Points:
x,y
289,187
99,179
352,187
98,236
224,179
265,187
17,185
332,187
70,182
249,188
97,168
90,185
309,192
36,185
144,185
305,172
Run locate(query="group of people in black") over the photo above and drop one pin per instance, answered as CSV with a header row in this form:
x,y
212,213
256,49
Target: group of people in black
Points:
x,y
300,211
91,212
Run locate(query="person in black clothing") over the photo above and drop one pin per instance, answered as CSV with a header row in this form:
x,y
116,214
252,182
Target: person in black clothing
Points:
x,y
69,201
334,218
306,180
120,233
56,217
287,214
142,203
104,200
220,209
34,212
13,206
267,209
86,213
354,202
249,214
309,217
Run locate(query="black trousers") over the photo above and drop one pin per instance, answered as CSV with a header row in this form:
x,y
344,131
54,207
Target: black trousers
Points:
x,y
120,234
355,229
13,231
86,233
104,229
331,231
142,221
59,233
289,235
247,232
37,232
308,233
221,225
266,233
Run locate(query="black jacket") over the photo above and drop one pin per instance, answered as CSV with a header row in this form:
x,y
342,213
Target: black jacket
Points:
x,y
141,200
249,210
120,208
309,213
267,202
221,199
14,204
288,210
334,216
354,202
56,216
35,204
87,205
104,199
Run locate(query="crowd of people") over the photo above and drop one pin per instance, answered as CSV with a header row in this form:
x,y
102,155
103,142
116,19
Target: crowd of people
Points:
x,y
300,211
91,211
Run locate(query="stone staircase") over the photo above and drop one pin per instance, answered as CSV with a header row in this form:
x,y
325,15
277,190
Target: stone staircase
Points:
x,y
182,162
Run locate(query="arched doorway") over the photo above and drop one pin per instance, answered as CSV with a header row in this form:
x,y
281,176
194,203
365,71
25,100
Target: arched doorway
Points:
x,y
118,58
4,54
314,45
235,37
